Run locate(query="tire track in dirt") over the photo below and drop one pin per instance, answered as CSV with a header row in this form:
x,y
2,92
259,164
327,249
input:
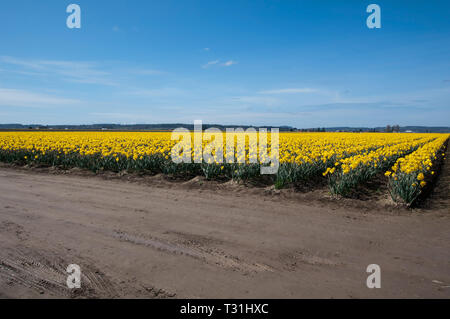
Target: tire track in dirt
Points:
x,y
46,273
212,256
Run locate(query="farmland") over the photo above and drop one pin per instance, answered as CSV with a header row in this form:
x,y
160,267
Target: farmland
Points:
x,y
344,161
140,225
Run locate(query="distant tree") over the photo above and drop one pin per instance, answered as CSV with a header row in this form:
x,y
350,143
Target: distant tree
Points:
x,y
396,128
388,129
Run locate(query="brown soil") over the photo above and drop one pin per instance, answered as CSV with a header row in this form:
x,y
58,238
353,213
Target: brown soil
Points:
x,y
147,237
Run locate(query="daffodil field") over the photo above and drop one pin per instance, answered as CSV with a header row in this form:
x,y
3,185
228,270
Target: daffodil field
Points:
x,y
344,160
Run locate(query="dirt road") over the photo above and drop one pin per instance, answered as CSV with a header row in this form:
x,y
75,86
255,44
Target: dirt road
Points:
x,y
175,241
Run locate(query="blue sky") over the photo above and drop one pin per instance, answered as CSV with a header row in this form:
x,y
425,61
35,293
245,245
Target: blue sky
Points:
x,y
301,63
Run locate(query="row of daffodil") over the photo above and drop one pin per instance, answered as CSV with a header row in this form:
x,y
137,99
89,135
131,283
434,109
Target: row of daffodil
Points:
x,y
409,175
348,173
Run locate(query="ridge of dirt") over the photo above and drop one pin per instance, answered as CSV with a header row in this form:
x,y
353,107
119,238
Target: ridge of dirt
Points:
x,y
373,198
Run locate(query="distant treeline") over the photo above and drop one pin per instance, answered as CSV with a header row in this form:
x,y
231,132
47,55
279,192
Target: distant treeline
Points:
x,y
415,129
169,127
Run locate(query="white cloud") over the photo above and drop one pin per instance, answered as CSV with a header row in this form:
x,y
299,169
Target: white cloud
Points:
x,y
290,91
210,63
206,49
20,62
72,71
22,98
116,28
215,62
229,63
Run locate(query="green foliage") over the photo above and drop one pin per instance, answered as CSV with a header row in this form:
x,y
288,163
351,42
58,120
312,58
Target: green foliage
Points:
x,y
404,188
344,184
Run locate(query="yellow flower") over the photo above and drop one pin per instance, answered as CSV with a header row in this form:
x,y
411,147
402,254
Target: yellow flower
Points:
x,y
423,183
420,177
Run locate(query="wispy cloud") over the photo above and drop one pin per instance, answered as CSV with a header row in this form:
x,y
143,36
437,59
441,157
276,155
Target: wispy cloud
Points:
x,y
229,63
23,98
210,63
21,62
290,91
115,28
217,62
72,71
